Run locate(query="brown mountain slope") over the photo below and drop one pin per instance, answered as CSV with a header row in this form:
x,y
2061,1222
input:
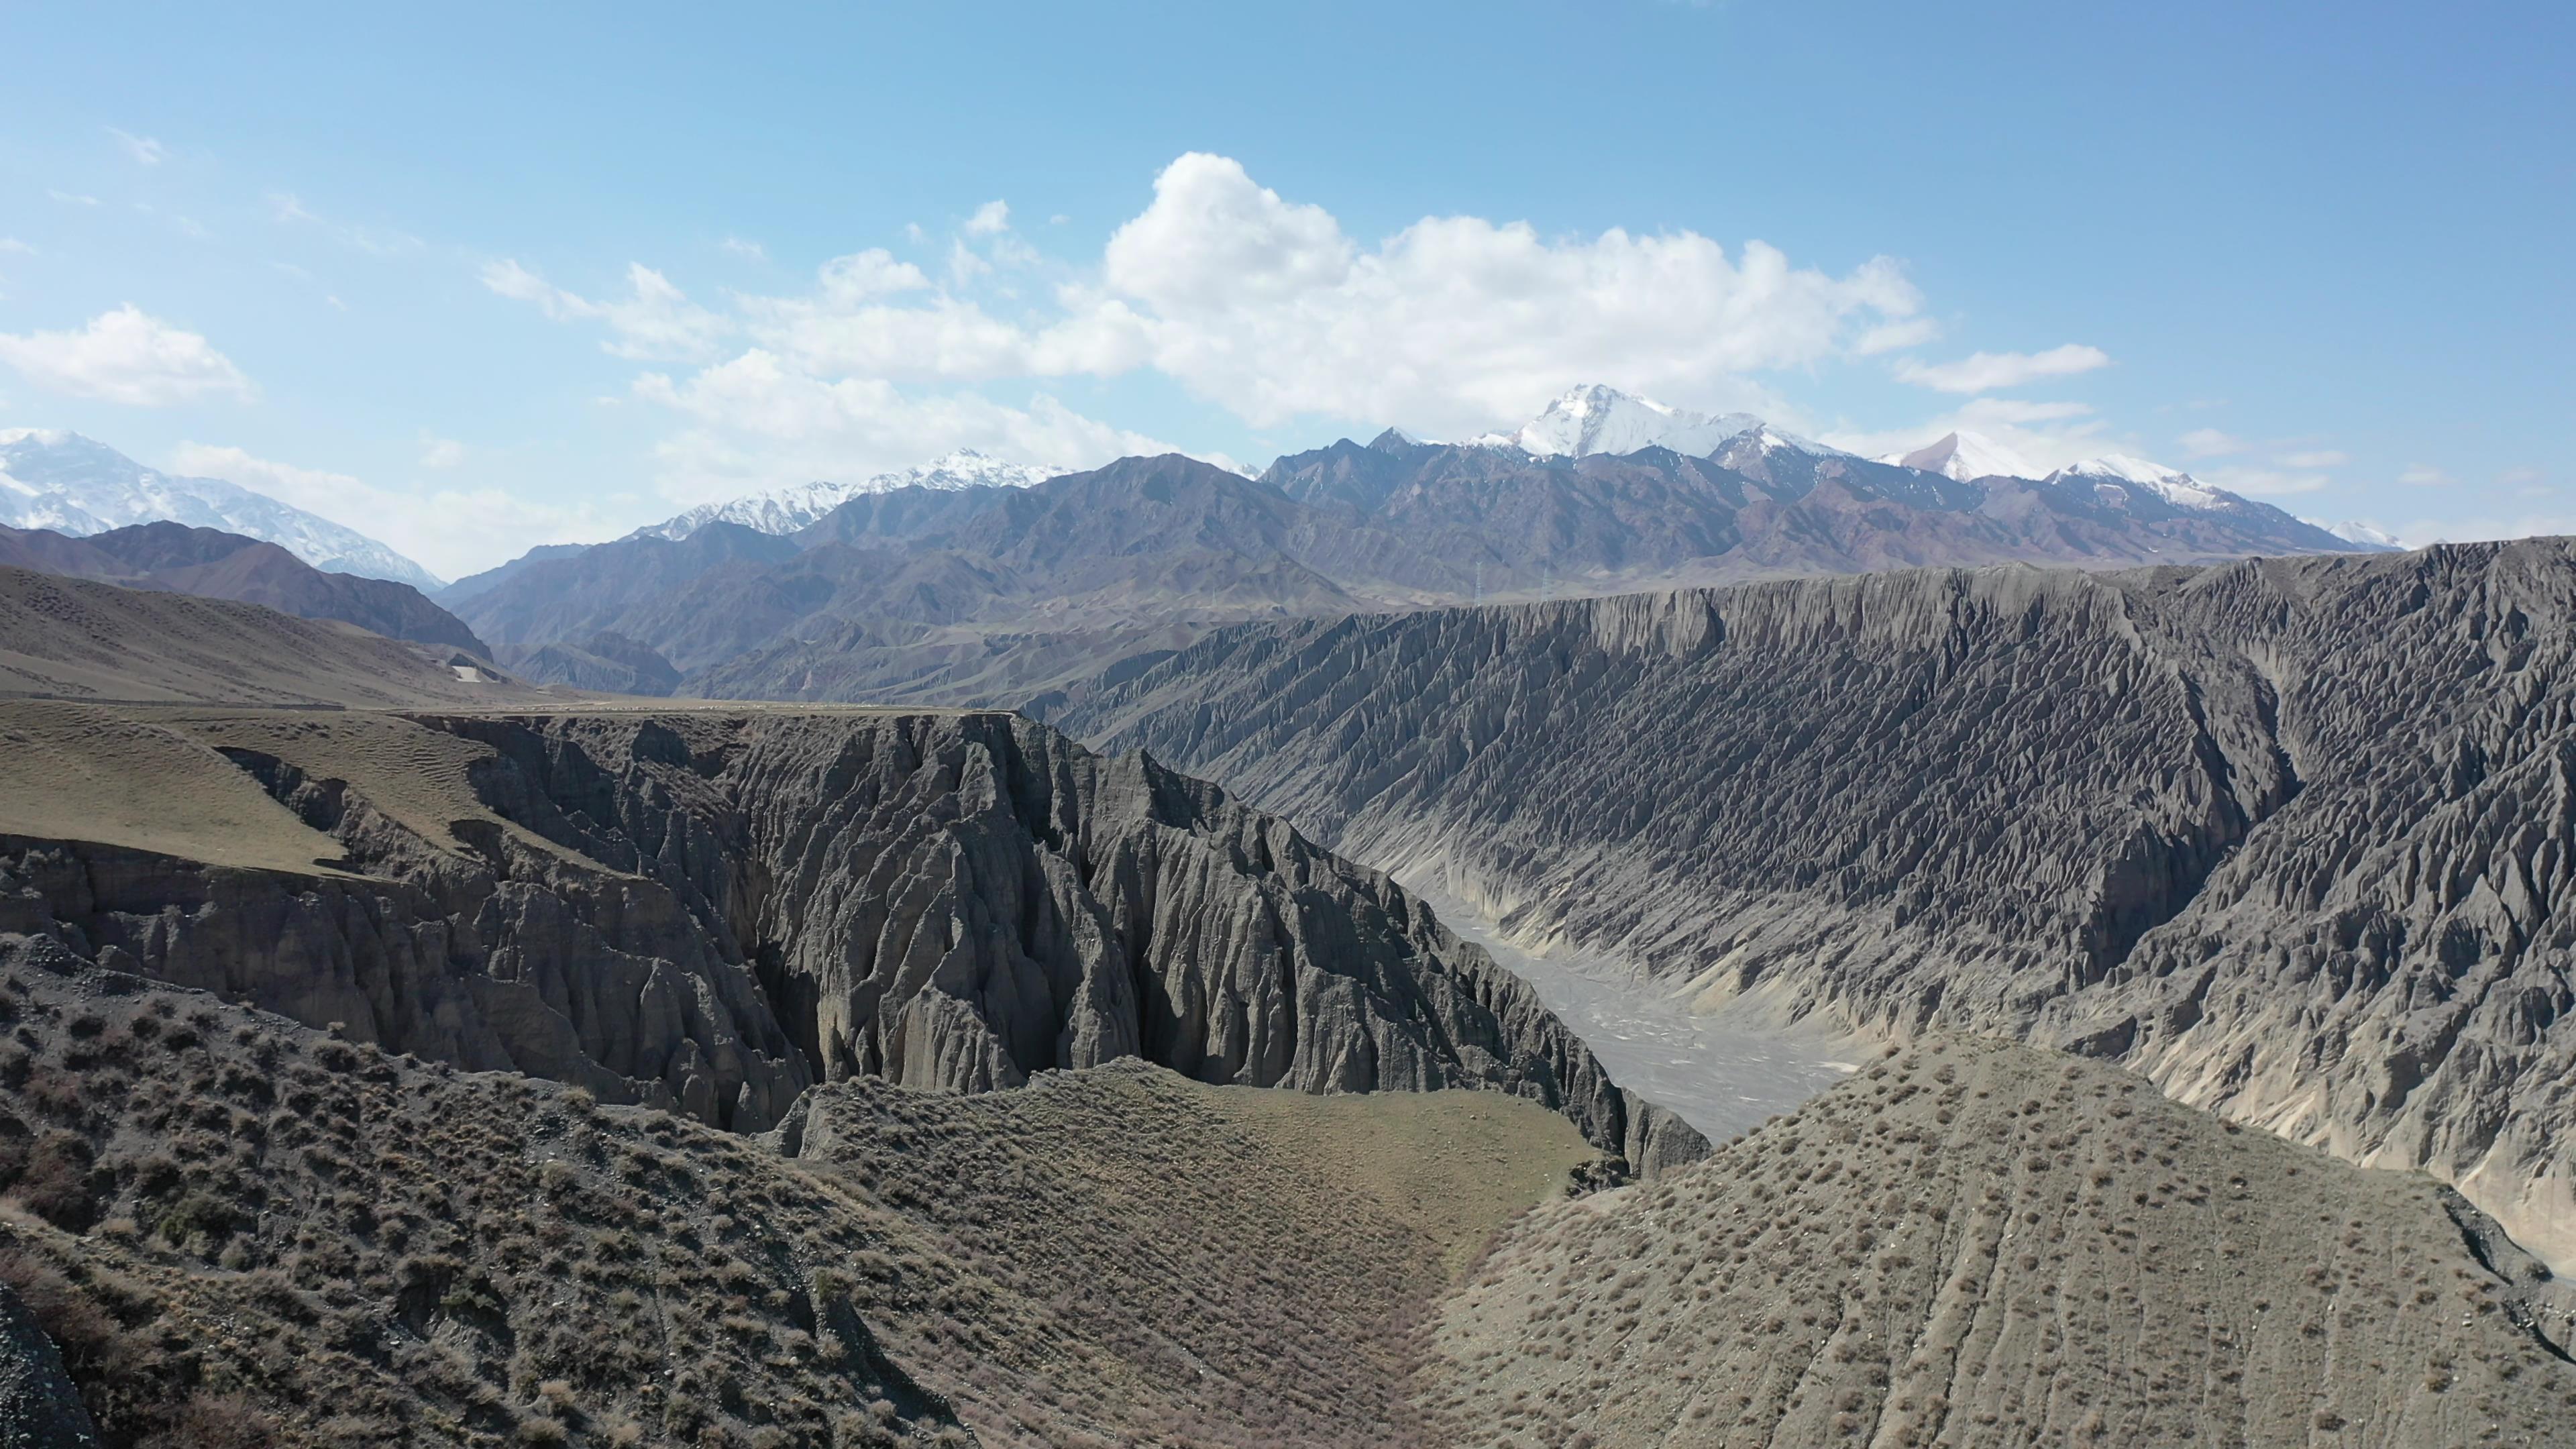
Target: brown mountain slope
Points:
x,y
246,1232
1979,1244
216,565
2291,835
76,639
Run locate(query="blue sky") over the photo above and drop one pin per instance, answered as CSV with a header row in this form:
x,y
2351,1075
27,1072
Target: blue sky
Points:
x,y
472,279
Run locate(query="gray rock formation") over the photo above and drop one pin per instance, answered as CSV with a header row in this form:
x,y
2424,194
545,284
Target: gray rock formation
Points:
x,y
2291,836
39,1408
714,912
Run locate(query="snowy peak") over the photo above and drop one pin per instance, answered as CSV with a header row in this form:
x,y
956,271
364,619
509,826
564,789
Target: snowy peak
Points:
x,y
786,510
1965,457
78,486
1598,419
2353,530
2172,485
2124,467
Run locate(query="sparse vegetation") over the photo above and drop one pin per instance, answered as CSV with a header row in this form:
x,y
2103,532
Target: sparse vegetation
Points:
x,y
295,1240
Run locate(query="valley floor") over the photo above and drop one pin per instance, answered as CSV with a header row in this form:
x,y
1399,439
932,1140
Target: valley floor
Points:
x,y
1723,1076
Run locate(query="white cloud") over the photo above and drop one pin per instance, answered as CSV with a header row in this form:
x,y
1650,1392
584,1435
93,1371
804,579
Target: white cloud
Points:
x,y
656,322
743,247
12,244
71,198
1986,371
2321,458
1896,336
450,531
126,356
144,150
2425,475
1454,324
438,452
2210,443
990,219
758,420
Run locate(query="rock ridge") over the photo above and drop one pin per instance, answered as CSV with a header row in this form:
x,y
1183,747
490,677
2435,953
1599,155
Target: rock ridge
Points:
x,y
714,912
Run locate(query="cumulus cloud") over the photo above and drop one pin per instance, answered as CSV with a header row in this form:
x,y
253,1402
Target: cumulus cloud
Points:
x,y
1263,305
1268,308
450,531
440,452
1987,371
758,419
745,248
1896,336
126,356
654,322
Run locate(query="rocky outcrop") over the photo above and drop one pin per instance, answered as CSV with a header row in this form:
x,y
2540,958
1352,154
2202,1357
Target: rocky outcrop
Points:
x,y
39,1407
712,912
2292,836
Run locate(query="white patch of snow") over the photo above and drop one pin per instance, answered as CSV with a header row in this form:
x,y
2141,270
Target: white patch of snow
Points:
x,y
2353,530
78,486
2172,485
1597,419
788,509
1965,456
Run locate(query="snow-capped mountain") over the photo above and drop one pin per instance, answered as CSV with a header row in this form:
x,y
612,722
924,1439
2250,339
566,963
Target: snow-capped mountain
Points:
x,y
1598,419
789,509
79,486
2172,485
2353,530
1966,457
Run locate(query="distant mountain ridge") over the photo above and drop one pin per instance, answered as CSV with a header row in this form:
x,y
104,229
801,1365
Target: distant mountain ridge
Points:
x,y
786,510
1010,595
78,486
212,564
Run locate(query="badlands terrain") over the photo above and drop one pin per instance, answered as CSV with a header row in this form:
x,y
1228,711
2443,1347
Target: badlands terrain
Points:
x,y
2290,837
1991,1005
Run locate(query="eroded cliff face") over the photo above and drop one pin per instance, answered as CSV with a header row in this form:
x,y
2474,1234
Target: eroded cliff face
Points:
x,y
2292,836
713,912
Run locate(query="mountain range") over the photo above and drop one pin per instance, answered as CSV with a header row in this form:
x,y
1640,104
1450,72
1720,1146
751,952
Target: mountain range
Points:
x,y
970,593
786,510
69,484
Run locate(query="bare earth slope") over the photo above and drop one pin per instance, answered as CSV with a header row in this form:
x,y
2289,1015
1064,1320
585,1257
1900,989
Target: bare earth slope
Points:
x,y
79,639
1979,1244
212,564
711,912
2293,836
243,1232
